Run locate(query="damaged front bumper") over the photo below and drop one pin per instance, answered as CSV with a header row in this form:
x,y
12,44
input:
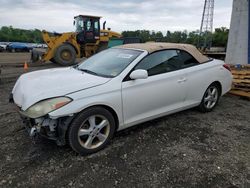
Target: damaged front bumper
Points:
x,y
53,129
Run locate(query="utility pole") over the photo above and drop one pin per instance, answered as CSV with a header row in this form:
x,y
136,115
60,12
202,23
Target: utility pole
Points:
x,y
206,29
238,46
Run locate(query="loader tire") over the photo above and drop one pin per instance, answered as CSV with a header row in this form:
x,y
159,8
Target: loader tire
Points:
x,y
53,60
65,55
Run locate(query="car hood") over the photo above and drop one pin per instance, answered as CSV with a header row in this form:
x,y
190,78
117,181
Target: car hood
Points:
x,y
33,87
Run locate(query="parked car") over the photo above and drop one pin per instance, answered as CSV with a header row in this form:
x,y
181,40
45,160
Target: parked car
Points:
x,y
118,88
1,49
18,47
42,46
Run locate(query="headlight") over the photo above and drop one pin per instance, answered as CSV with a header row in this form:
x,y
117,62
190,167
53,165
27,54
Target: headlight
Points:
x,y
44,107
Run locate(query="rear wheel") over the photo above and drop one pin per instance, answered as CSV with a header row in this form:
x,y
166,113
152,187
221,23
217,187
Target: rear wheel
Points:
x,y
65,55
210,98
91,130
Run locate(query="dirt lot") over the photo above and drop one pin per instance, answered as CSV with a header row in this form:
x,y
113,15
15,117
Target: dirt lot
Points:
x,y
187,149
17,59
13,58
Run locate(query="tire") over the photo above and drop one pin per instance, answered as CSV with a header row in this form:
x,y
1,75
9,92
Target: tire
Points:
x,y
65,55
210,98
53,60
25,50
91,130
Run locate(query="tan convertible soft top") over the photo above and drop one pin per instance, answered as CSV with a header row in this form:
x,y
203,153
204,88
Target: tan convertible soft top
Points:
x,y
156,46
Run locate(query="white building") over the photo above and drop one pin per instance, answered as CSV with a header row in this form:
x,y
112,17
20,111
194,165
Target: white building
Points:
x,y
238,42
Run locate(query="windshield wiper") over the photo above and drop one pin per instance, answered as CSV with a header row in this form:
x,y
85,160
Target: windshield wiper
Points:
x,y
93,73
88,71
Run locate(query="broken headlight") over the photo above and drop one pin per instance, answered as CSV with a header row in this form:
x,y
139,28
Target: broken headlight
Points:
x,y
44,107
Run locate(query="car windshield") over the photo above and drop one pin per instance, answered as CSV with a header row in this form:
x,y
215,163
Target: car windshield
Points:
x,y
109,63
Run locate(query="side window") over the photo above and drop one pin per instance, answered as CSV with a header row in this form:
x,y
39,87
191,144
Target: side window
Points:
x,y
159,62
96,26
186,60
166,61
88,25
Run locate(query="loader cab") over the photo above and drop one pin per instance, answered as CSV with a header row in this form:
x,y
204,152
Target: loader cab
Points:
x,y
87,28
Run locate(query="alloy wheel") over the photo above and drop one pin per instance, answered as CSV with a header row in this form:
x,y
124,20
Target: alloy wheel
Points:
x,y
211,97
94,131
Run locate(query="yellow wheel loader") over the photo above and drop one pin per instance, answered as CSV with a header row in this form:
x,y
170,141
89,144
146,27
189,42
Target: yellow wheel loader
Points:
x,y
66,47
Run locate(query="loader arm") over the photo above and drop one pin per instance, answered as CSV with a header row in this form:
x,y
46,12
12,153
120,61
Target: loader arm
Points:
x,y
106,35
53,42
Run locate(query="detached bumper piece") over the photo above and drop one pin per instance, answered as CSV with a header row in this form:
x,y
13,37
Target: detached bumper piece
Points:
x,y
53,129
36,55
39,126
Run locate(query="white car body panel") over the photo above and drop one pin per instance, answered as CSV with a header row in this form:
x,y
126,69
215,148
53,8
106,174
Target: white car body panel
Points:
x,y
201,76
91,97
151,96
39,85
133,101
4,46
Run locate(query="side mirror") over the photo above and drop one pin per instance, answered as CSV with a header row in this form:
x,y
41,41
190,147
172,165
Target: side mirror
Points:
x,y
74,23
139,74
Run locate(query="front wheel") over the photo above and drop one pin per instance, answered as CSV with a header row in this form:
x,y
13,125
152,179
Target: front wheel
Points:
x,y
91,130
65,55
210,98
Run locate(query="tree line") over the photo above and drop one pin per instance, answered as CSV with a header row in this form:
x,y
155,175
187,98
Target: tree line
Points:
x,y
10,34
219,36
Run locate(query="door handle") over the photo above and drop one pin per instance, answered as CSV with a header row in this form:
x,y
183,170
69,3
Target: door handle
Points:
x,y
182,80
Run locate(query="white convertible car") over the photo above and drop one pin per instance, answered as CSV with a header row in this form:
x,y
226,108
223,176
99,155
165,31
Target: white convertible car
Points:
x,y
86,104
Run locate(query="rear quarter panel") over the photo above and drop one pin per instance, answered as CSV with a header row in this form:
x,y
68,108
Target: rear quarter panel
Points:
x,y
201,76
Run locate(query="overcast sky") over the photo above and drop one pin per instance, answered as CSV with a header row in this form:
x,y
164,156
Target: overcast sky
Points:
x,y
158,15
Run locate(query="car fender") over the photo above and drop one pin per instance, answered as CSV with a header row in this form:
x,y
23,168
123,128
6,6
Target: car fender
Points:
x,y
85,99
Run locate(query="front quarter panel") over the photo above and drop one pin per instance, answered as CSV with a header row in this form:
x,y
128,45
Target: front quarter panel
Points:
x,y
108,94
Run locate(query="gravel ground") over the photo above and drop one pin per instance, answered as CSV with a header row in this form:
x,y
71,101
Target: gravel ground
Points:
x,y
187,149
14,58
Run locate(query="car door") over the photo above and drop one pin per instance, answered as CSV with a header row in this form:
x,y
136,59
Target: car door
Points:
x,y
163,91
197,77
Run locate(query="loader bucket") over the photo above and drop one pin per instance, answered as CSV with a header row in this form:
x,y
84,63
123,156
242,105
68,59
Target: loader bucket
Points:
x,y
36,55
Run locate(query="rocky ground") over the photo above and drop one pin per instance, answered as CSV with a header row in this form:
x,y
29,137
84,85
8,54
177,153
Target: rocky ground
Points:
x,y
187,149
